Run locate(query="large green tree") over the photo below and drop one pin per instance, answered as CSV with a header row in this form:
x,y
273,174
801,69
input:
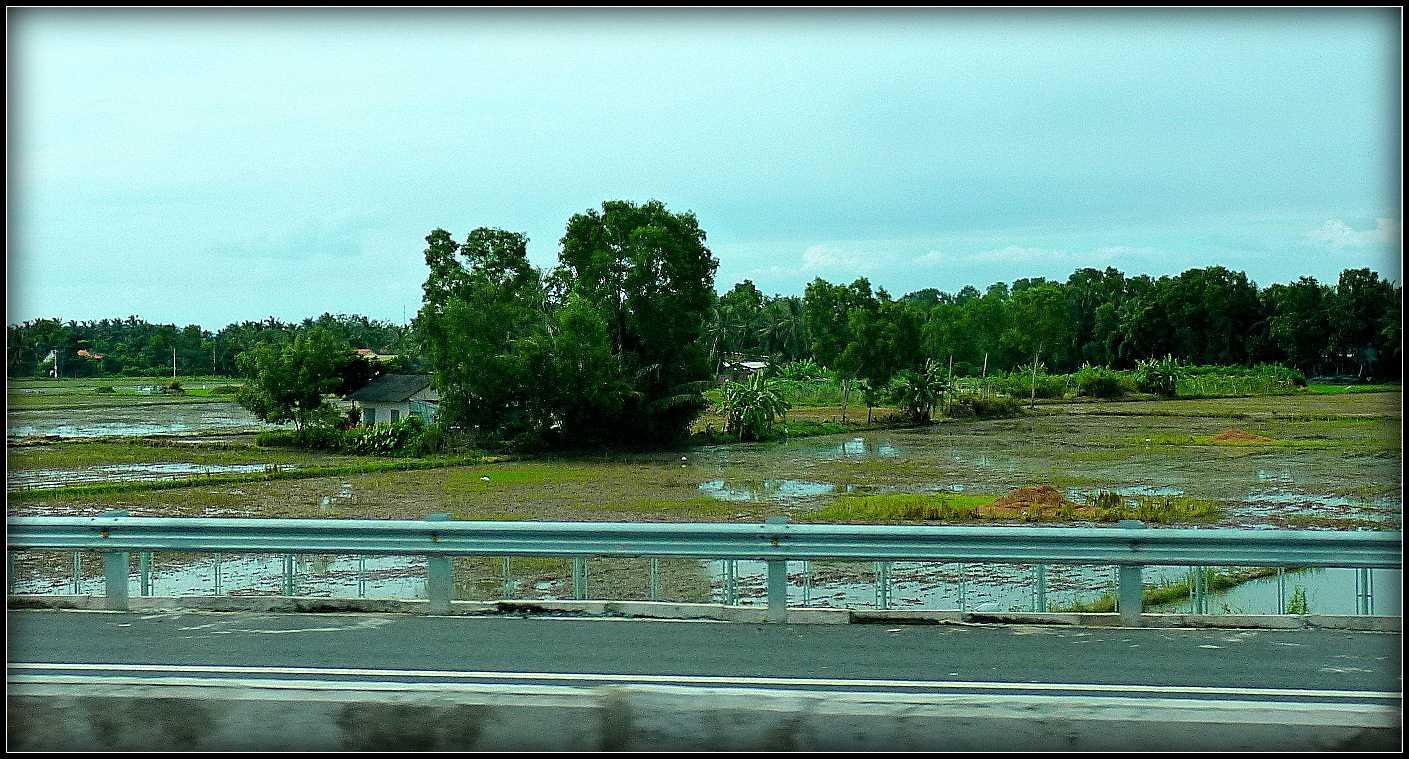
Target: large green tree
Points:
x,y
652,277
290,382
482,300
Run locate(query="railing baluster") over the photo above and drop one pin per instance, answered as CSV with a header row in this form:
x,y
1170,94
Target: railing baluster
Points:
x,y
506,590
144,571
1039,602
655,578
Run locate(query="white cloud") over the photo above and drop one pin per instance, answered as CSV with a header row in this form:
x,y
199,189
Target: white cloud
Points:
x,y
825,257
1016,254
1338,234
1125,251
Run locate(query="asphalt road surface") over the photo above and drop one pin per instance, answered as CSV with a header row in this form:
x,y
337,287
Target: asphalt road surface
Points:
x,y
1279,665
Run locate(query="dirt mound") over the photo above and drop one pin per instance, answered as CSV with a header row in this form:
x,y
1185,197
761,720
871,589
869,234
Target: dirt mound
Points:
x,y
1033,495
1238,436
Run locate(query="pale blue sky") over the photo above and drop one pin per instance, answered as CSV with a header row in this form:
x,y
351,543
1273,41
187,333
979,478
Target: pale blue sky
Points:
x,y
205,167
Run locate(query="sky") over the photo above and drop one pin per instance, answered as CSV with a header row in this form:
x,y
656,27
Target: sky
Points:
x,y
216,166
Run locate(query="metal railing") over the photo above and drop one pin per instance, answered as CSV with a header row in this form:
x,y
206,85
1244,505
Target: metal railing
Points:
x,y
1129,545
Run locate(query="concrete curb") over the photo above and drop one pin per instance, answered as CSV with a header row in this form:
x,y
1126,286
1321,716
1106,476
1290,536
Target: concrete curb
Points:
x,y
187,714
707,612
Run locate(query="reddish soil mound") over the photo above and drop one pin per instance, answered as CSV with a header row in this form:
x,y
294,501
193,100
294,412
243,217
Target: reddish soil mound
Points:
x,y
1238,436
1033,495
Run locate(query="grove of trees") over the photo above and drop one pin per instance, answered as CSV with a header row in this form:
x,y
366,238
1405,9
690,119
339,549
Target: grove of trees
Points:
x,y
609,347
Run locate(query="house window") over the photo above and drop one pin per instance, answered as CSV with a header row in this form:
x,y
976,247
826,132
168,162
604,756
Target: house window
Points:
x,y
369,415
395,415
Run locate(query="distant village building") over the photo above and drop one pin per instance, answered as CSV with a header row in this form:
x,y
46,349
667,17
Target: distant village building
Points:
x,y
392,397
372,355
739,370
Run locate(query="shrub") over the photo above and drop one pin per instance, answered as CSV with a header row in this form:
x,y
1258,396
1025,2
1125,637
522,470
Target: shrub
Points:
x,y
1100,382
384,439
1019,384
441,438
973,406
801,371
1161,376
277,439
225,390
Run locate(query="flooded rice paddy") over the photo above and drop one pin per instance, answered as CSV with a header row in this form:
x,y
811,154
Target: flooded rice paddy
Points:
x,y
152,419
1329,464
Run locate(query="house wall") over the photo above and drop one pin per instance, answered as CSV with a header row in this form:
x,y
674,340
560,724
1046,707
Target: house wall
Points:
x,y
422,402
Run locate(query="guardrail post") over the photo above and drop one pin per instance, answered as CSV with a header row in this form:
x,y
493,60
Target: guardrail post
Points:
x,y
579,578
288,574
777,582
1129,593
116,566
440,577
883,585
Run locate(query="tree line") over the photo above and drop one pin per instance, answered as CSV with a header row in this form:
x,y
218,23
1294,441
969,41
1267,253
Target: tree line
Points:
x,y
1207,316
134,347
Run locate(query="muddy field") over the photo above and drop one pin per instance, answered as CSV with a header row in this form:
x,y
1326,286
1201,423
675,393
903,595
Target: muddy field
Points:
x,y
1328,461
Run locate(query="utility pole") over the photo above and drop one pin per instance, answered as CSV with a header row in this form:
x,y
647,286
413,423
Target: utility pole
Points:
x,y
173,364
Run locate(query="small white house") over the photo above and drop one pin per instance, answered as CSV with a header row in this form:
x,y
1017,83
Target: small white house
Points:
x,y
392,397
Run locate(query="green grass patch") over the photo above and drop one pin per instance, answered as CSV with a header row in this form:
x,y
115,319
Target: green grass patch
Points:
x,y
1342,389
902,507
1156,509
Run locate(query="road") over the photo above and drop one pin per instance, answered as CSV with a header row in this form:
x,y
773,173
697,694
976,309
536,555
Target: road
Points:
x,y
1323,665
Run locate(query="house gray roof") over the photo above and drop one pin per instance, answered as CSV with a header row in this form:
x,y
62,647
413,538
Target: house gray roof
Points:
x,y
392,388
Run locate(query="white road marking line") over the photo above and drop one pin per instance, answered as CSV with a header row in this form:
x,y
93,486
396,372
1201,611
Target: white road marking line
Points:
x,y
710,680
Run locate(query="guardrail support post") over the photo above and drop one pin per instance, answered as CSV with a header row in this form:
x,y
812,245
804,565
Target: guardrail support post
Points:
x,y
579,578
116,566
777,582
440,578
1129,593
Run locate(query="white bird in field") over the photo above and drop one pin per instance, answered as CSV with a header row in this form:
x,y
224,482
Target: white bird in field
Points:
x,y
486,479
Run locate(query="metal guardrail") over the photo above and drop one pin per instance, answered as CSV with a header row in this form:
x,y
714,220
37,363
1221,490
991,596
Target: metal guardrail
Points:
x,y
1129,545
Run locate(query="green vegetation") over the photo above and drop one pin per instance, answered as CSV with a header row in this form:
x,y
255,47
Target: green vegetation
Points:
x,y
751,407
901,507
1154,509
1170,591
290,382
608,348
